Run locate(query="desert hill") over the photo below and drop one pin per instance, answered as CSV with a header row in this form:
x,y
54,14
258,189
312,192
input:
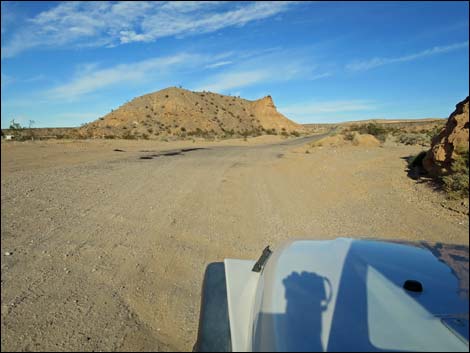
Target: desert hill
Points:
x,y
179,112
395,121
405,125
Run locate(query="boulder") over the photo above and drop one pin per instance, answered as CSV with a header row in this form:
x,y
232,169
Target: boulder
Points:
x,y
452,139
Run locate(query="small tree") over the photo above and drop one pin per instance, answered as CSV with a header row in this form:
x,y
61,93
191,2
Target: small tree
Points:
x,y
14,125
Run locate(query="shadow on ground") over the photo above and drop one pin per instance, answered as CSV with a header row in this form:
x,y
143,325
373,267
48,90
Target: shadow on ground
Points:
x,y
415,170
171,153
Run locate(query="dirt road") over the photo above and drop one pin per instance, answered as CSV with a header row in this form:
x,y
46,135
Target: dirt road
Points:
x,y
105,250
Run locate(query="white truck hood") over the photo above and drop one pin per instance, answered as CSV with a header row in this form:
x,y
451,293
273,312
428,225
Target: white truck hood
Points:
x,y
346,295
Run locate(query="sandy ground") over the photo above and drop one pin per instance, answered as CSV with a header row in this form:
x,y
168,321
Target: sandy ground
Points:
x,y
107,250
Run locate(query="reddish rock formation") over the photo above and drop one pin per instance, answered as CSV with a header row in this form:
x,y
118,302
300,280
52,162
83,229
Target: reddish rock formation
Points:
x,y
452,139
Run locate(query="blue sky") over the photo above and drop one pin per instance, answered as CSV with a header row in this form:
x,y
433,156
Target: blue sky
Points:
x,y
64,64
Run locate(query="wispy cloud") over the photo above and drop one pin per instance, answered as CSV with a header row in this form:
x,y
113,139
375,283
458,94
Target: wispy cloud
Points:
x,y
4,19
243,78
114,23
6,80
218,64
238,70
235,79
92,79
314,110
376,62
269,66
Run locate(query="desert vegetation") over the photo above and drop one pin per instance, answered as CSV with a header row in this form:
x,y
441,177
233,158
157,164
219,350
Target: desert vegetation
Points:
x,y
456,182
400,133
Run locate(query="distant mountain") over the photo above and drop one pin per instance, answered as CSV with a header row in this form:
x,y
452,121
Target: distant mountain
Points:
x,y
406,125
395,121
179,112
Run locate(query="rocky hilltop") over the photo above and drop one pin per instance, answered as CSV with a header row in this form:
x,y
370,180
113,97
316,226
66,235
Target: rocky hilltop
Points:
x,y
179,112
452,140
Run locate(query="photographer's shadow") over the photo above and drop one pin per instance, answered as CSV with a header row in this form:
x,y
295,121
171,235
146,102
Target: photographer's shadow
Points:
x,y
307,295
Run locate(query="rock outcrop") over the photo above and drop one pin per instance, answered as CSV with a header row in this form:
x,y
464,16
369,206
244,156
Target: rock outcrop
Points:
x,y
452,139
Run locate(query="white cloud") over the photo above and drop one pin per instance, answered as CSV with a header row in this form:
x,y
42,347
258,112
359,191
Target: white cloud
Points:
x,y
230,80
92,79
267,66
375,62
113,23
271,66
218,64
306,111
239,78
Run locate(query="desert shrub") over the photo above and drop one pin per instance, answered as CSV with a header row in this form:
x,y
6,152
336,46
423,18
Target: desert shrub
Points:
x,y
295,133
434,131
413,139
372,129
128,136
150,130
15,126
271,131
456,183
349,136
